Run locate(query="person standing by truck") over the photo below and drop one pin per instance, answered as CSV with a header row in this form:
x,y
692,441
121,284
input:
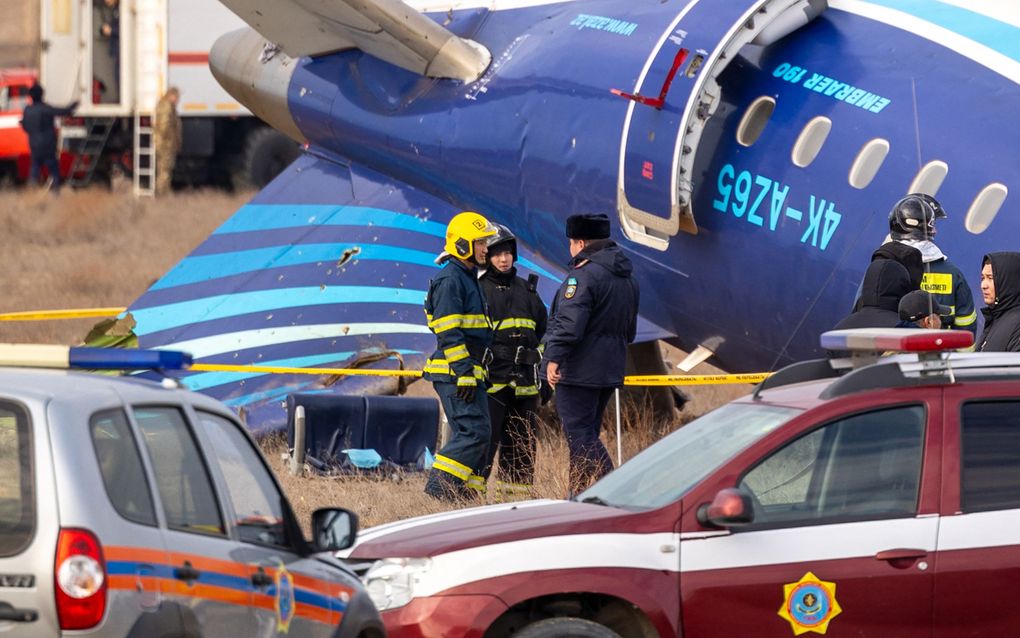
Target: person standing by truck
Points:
x,y
166,132
38,120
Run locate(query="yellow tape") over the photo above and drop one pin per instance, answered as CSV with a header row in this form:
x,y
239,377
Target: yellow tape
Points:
x,y
218,367
73,313
695,379
644,380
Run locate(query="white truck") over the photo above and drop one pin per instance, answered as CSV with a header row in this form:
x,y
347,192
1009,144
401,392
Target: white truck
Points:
x,y
116,58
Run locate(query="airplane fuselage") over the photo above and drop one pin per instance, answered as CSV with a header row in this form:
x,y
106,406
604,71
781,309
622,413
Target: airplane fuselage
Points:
x,y
780,248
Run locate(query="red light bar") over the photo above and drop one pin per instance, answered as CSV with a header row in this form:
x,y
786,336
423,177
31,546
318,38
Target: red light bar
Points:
x,y
896,340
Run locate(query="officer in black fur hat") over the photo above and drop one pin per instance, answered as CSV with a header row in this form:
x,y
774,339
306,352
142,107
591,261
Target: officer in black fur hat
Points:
x,y
593,318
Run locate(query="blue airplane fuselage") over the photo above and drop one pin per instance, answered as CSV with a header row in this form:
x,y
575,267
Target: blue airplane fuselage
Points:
x,y
780,248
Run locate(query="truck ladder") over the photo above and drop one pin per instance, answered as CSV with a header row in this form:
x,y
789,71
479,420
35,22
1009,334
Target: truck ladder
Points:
x,y
88,151
144,156
150,83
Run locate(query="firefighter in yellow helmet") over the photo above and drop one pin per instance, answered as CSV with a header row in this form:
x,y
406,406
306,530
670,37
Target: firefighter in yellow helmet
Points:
x,y
456,313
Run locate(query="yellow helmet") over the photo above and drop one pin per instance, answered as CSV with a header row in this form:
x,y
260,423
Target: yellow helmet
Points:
x,y
462,232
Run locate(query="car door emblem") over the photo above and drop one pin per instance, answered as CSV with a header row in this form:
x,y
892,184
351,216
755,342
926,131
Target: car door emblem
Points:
x,y
285,600
809,604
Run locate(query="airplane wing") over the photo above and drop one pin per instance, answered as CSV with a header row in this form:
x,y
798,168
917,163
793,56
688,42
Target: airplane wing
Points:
x,y
328,266
387,29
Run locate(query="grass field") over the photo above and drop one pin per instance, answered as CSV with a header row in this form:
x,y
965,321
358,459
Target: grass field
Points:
x,y
96,248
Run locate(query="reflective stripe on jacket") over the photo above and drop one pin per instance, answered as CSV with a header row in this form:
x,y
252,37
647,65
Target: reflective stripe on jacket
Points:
x,y
518,320
457,315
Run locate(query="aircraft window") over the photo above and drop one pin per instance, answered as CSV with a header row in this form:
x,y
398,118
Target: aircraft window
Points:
x,y
985,207
755,118
810,141
929,179
868,161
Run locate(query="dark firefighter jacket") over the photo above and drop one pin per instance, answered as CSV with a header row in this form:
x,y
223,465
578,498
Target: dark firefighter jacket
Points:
x,y
38,122
594,317
456,313
1002,318
518,323
947,283
885,283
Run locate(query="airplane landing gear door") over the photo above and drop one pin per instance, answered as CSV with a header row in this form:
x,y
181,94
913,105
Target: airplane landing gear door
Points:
x,y
675,95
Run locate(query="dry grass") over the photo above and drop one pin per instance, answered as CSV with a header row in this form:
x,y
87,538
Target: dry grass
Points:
x,y
382,498
97,249
92,248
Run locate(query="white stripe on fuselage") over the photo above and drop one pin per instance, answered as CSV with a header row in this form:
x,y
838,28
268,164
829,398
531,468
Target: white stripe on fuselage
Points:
x,y
960,44
1001,10
245,339
10,121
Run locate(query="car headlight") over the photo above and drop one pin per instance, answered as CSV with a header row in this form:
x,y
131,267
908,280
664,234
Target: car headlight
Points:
x,y
390,581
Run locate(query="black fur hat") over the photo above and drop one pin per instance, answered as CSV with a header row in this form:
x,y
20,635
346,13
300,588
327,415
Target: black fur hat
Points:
x,y
588,226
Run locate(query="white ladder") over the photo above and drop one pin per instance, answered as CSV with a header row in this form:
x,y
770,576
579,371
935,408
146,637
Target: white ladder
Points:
x,y
150,83
144,156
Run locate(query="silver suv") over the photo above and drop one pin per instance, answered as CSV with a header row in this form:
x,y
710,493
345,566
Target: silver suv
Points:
x,y
133,508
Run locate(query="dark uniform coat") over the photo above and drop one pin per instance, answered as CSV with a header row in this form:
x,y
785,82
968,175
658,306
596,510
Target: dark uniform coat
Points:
x,y
38,120
594,317
1002,319
885,283
947,283
456,313
518,322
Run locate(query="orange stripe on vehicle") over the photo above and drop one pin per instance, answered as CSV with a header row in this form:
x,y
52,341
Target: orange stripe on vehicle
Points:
x,y
204,563
210,592
264,601
137,554
188,57
130,582
312,612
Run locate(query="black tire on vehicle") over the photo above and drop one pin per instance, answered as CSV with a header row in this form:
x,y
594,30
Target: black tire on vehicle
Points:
x,y
266,152
566,628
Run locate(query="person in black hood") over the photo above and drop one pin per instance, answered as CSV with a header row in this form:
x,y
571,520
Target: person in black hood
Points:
x,y
518,323
1000,289
593,318
907,256
885,282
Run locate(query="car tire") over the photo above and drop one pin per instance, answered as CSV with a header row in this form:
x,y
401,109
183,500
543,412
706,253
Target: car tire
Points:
x,y
266,153
566,628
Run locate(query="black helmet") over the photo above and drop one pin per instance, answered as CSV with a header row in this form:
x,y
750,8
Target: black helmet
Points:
x,y
503,236
913,217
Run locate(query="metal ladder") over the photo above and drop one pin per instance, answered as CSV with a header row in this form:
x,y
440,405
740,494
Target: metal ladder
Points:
x,y
150,83
89,150
144,156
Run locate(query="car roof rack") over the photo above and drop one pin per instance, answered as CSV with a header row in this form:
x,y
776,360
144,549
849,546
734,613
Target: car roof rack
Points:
x,y
931,360
811,370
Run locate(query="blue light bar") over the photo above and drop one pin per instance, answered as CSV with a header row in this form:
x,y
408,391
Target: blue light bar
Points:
x,y
120,359
896,340
64,357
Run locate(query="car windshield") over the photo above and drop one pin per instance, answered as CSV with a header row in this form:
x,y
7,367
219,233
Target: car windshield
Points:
x,y
666,470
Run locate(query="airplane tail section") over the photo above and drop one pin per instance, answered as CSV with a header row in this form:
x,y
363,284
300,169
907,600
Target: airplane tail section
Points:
x,y
388,29
327,267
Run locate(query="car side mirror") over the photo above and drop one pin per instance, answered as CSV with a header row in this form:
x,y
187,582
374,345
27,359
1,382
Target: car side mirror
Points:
x,y
731,507
333,529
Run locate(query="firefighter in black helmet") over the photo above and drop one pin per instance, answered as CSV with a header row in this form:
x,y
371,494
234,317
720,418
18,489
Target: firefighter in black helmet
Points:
x,y
912,222
518,320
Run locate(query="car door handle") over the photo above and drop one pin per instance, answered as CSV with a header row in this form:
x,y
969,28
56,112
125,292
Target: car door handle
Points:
x,y
12,614
901,554
186,572
261,578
